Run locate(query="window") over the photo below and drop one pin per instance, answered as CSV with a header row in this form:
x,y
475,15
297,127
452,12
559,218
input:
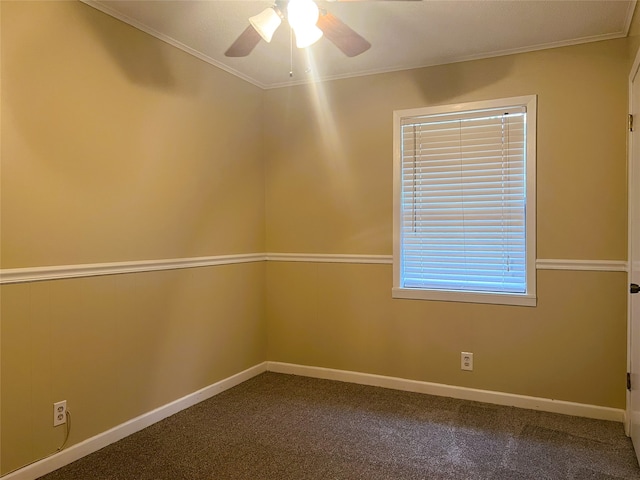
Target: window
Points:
x,y
464,202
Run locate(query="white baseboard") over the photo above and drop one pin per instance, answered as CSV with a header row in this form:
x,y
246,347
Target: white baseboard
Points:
x,y
463,393
93,444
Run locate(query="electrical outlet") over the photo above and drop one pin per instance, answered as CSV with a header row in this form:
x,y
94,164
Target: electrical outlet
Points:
x,y
466,361
59,413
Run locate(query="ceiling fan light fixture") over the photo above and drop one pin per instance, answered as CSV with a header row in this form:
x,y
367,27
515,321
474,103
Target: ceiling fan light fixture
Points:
x,y
266,23
307,36
302,14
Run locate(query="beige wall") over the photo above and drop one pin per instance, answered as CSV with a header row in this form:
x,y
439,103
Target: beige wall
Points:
x,y
329,173
116,347
118,147
570,347
329,190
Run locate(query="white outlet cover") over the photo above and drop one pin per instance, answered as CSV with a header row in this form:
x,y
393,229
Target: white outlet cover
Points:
x,y
466,361
59,413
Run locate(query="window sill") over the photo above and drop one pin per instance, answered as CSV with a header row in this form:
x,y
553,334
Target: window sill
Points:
x,y
527,300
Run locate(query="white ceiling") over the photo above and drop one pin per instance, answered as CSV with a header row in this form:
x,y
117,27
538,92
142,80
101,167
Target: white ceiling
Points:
x,y
403,34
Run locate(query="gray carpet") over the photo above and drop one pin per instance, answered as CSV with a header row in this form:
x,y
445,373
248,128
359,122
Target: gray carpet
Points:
x,y
280,427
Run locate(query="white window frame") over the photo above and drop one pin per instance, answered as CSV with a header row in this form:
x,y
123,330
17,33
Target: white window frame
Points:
x,y
527,298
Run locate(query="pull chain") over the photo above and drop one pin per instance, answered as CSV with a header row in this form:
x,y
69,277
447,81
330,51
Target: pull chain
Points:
x,y
291,52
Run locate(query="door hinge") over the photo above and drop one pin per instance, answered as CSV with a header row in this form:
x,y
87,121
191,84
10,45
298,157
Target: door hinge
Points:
x,y
628,381
630,123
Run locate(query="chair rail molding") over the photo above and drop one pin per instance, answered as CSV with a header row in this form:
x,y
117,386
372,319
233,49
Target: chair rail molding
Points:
x,y
38,274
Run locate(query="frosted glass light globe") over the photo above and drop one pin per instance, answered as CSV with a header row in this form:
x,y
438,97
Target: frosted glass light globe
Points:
x,y
302,14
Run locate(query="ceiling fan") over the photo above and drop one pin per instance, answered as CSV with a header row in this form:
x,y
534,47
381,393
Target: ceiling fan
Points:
x,y
308,22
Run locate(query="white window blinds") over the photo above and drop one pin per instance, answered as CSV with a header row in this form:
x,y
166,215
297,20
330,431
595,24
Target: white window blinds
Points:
x,y
463,201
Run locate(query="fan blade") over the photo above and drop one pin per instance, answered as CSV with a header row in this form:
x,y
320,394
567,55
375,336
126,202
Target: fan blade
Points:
x,y
342,36
244,44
